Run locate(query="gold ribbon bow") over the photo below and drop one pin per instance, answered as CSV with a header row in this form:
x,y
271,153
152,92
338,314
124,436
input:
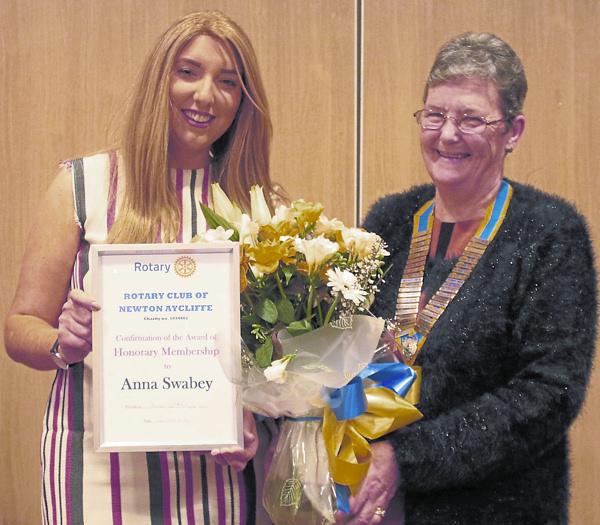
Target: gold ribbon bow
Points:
x,y
348,450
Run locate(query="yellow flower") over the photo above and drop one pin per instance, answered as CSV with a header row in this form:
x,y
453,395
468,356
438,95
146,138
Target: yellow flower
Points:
x,y
244,267
266,255
282,223
223,206
281,231
306,213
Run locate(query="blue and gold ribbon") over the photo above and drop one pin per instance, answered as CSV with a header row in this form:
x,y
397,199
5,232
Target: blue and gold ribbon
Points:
x,y
368,407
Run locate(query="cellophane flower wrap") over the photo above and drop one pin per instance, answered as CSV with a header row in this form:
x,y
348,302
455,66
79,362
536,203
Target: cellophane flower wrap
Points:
x,y
306,284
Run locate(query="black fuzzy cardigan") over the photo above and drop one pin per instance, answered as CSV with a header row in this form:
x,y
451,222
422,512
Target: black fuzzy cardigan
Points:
x,y
505,368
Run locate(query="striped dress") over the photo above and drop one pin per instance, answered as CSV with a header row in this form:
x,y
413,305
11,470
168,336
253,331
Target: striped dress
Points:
x,y
81,486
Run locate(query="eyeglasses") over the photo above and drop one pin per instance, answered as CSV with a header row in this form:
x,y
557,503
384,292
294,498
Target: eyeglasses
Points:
x,y
468,124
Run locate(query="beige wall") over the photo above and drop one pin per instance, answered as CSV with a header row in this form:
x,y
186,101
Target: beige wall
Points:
x,y
66,67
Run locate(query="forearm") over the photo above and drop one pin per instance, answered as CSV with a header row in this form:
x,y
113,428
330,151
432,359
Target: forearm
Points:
x,y
28,340
31,325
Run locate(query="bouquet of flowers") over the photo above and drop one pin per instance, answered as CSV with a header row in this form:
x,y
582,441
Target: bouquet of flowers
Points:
x,y
306,284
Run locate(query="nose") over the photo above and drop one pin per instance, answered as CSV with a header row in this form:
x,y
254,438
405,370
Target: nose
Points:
x,y
449,130
204,91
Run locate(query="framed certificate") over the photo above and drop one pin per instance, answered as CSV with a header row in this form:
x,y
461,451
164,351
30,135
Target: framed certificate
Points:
x,y
166,346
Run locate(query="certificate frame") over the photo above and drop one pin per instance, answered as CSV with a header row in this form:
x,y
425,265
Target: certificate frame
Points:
x,y
195,342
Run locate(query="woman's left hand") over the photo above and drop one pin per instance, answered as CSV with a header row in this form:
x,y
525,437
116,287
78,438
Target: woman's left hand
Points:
x,y
237,457
377,489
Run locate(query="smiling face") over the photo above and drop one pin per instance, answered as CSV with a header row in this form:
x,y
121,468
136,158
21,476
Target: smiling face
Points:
x,y
205,94
472,162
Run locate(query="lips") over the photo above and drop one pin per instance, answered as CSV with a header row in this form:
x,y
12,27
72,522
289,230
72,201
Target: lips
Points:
x,y
453,156
198,119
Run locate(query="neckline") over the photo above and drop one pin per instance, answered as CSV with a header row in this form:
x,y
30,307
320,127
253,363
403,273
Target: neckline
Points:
x,y
411,324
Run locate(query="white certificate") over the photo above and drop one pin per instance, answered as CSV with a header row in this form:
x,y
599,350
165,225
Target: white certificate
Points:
x,y
166,346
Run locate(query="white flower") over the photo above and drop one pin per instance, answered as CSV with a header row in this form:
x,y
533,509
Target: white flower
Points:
x,y
248,230
218,234
356,295
340,280
325,225
277,370
317,250
256,272
359,241
282,214
346,283
223,206
258,206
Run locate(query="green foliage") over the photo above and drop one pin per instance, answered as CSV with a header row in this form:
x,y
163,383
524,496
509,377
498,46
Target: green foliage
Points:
x,y
214,221
300,327
264,353
267,310
285,311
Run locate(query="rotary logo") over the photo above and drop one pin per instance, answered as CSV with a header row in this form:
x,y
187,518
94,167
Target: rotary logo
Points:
x,y
184,266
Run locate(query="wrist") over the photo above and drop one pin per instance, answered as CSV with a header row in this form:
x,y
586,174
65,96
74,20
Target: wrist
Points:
x,y
58,357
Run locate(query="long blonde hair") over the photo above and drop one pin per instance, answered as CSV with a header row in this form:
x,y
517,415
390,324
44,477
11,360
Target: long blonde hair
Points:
x,y
240,157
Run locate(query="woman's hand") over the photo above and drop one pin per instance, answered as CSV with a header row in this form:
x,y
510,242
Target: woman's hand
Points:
x,y
237,457
75,326
376,491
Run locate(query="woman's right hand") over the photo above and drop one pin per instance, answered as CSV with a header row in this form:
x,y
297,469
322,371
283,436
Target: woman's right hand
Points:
x,y
75,326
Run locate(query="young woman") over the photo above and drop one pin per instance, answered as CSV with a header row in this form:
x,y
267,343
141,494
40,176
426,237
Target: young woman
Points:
x,y
198,115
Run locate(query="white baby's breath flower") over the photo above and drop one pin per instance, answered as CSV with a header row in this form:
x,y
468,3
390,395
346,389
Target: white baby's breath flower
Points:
x,y
382,252
216,235
359,241
316,251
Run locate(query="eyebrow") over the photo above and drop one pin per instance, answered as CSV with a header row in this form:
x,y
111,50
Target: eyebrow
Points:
x,y
199,64
467,110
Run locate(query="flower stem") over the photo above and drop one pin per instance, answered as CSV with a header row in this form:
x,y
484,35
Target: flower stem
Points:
x,y
309,301
320,312
247,298
280,285
331,309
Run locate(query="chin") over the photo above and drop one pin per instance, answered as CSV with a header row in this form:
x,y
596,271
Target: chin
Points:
x,y
448,178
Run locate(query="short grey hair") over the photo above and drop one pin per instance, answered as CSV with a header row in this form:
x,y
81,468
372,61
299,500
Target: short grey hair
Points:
x,y
482,56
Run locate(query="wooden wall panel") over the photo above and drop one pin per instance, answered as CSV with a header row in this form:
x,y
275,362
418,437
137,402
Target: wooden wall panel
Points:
x,y
66,67
557,41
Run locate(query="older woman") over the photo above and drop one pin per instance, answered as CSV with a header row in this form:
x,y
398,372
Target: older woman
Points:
x,y
198,115
493,294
